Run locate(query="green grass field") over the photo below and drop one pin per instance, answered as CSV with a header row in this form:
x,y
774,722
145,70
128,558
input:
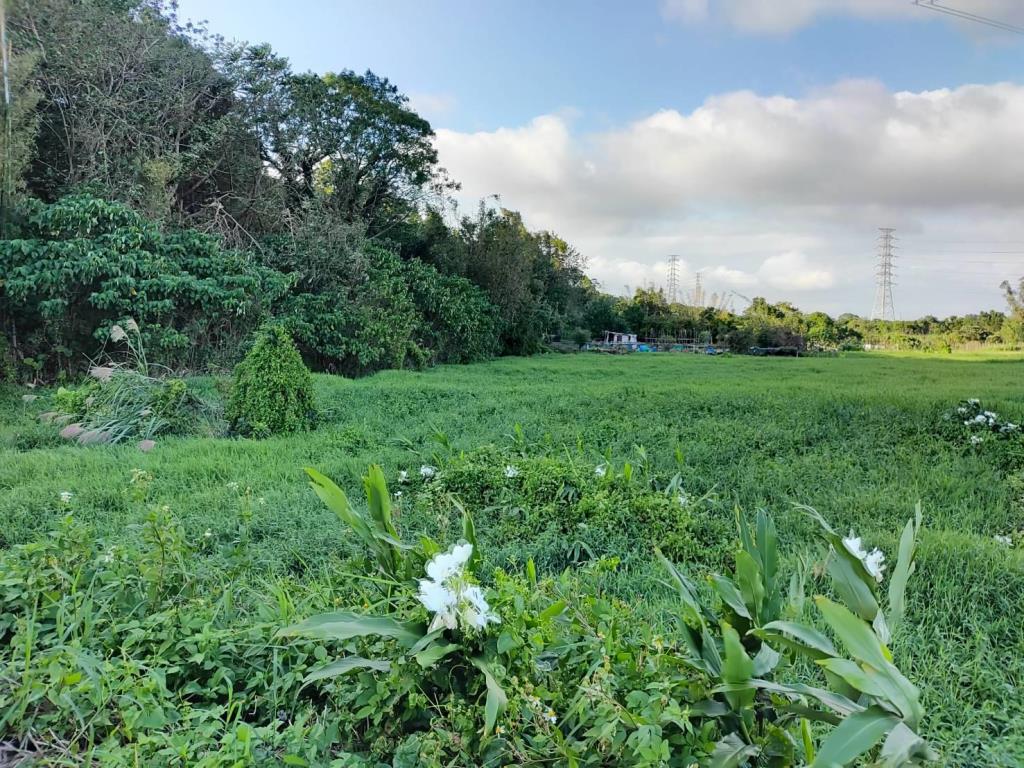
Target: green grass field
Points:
x,y
856,437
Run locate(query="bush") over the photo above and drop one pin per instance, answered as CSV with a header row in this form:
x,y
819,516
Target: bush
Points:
x,y
273,389
78,265
122,401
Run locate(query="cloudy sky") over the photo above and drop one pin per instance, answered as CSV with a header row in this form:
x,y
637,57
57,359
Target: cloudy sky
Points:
x,y
762,141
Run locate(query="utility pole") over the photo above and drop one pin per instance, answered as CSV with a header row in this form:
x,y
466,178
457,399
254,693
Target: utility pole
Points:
x,y
673,279
883,308
6,175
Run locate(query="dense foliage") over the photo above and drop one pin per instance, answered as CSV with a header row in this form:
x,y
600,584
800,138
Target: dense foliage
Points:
x,y
272,390
76,267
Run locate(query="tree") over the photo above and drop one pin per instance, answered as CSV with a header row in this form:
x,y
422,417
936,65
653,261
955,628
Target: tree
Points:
x,y
349,140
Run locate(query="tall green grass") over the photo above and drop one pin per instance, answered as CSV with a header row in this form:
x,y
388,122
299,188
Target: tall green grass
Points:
x,y
855,437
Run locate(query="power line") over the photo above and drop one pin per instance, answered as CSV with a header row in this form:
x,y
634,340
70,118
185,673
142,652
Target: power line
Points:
x,y
934,5
883,308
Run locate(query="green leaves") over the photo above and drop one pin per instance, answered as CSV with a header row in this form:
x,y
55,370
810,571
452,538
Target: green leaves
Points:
x,y
374,528
854,736
343,625
496,701
345,665
904,568
731,752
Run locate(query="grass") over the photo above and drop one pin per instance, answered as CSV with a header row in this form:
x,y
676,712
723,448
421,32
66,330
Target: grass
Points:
x,y
856,437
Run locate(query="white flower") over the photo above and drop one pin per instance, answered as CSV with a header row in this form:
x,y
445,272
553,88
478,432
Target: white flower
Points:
x,y
977,439
403,476
436,597
453,599
968,423
65,497
232,486
447,564
474,610
550,716
1003,539
398,494
601,470
511,471
427,471
208,534
873,561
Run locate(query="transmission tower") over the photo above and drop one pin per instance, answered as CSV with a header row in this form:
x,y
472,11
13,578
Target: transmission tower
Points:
x,y
883,308
698,291
673,279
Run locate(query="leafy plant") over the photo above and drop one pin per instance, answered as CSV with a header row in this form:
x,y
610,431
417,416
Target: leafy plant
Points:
x,y
867,698
122,401
273,389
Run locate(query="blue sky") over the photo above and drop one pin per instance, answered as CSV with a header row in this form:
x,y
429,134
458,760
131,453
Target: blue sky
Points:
x,y
593,97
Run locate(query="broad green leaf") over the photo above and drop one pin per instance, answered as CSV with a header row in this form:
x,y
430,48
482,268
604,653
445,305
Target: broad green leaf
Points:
x,y
469,534
730,595
807,636
834,701
557,608
768,546
854,736
508,640
378,500
901,573
865,646
858,637
496,698
426,640
852,588
865,680
737,669
766,660
336,500
344,625
731,752
750,581
902,746
344,665
432,654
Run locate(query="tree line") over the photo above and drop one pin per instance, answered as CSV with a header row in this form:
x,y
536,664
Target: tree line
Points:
x,y
153,169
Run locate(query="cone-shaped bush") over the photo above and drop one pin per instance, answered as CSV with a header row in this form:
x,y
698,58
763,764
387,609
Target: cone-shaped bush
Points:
x,y
273,389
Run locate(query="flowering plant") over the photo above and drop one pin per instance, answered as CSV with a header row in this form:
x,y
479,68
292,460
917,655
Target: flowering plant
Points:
x,y
867,698
418,578
980,422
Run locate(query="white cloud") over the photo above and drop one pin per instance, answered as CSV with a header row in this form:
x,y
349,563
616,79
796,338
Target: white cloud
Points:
x,y
771,194
432,105
793,271
779,16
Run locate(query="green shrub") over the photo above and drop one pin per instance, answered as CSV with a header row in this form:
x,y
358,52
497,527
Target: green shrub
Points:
x,y
122,401
76,265
273,389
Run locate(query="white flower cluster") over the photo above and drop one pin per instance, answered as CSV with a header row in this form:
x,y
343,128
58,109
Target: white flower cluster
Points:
x,y
987,419
450,596
1004,540
601,470
65,497
873,560
511,471
427,471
